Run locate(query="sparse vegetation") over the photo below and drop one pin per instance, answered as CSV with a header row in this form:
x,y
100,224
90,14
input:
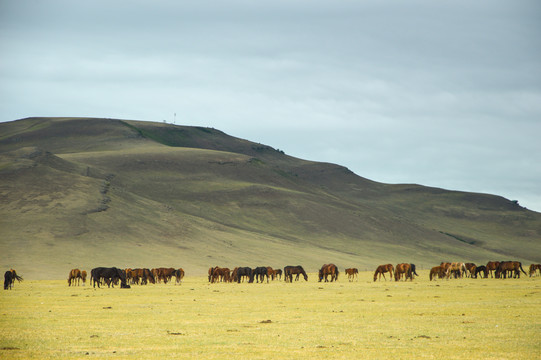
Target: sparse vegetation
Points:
x,y
457,319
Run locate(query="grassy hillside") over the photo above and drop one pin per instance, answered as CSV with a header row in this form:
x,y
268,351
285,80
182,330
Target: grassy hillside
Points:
x,y
95,192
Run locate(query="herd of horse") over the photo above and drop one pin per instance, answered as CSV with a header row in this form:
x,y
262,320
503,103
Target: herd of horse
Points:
x,y
496,269
327,273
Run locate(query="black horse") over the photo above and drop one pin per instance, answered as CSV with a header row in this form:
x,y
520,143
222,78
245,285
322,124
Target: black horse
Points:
x,y
244,272
289,271
259,273
483,270
412,267
9,279
109,275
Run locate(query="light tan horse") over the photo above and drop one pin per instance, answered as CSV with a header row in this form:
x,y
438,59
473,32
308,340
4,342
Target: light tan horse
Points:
x,y
382,269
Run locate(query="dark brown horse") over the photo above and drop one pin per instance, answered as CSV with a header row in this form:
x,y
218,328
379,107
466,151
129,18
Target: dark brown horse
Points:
x,y
9,279
326,270
74,276
289,271
352,274
506,268
382,269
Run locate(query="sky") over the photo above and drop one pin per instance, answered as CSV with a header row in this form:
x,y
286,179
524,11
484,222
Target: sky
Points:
x,y
438,93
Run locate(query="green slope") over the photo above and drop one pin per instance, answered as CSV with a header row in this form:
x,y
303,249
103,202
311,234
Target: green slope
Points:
x,y
82,192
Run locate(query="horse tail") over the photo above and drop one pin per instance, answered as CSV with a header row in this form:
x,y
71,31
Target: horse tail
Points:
x,y
376,275
520,264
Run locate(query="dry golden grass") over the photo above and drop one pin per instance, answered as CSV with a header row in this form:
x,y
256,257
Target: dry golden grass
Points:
x,y
456,319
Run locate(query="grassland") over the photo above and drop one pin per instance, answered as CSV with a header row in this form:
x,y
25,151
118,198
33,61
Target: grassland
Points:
x,y
456,319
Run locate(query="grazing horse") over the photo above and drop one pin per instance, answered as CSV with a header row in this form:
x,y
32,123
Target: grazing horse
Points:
x,y
509,267
221,274
458,269
382,269
83,276
271,273
405,269
437,270
259,273
242,273
492,266
74,276
326,270
289,271
482,269
534,268
278,273
9,279
352,274
179,275
471,269
109,275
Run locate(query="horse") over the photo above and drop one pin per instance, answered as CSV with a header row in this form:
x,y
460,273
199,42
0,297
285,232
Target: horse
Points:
x,y
278,273
534,268
83,276
352,273
221,274
471,269
179,275
74,276
492,266
326,270
481,269
242,273
109,275
508,267
437,270
289,271
9,279
405,269
458,269
382,269
259,273
271,273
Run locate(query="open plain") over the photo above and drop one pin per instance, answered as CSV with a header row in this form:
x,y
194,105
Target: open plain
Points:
x,y
451,319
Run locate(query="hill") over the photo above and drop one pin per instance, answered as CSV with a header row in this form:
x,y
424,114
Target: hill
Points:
x,y
81,192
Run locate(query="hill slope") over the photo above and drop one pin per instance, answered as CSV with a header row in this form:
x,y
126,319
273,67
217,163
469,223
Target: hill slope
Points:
x,y
80,192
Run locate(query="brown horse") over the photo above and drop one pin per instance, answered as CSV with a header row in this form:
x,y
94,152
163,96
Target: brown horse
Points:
x,y
289,271
326,270
382,269
492,266
179,275
471,269
83,276
74,276
352,273
437,270
534,268
221,274
458,269
271,273
508,267
405,269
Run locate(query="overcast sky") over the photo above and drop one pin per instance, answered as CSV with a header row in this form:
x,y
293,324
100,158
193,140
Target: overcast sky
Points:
x,y
438,93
